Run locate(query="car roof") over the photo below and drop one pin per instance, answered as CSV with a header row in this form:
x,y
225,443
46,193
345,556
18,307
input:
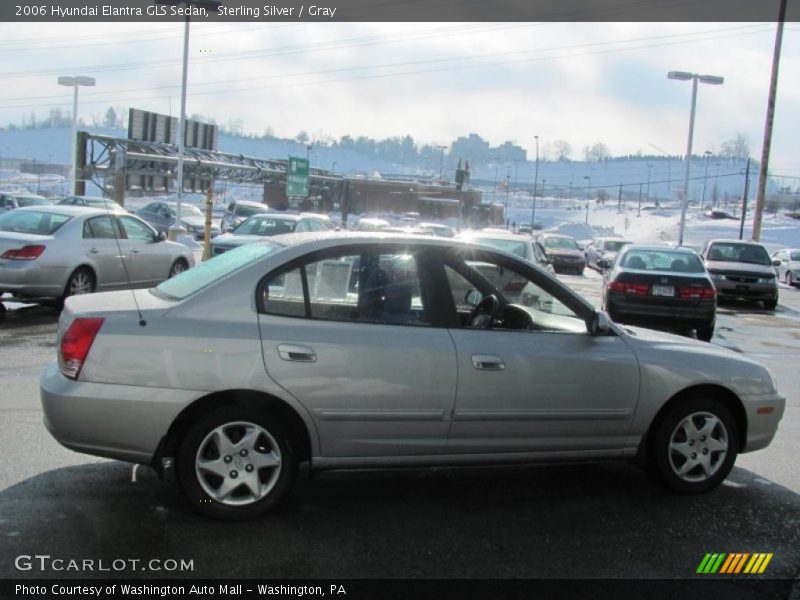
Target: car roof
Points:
x,y
657,248
732,241
493,235
248,202
65,209
557,235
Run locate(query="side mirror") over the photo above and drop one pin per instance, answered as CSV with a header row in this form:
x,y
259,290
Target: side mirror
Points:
x,y
604,263
600,324
162,237
473,297
776,263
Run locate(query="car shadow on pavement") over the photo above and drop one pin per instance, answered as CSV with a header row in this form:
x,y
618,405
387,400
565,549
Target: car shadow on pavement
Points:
x,y
29,315
589,521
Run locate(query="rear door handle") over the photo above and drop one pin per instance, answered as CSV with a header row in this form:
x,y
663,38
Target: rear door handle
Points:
x,y
488,362
94,251
296,353
135,250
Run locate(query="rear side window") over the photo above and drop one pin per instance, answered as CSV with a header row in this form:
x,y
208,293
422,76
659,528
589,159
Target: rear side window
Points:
x,y
38,223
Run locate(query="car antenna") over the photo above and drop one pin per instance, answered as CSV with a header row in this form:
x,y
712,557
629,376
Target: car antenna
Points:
x,y
114,222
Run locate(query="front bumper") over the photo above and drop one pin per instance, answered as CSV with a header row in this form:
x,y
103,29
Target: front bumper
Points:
x,y
761,428
123,422
748,291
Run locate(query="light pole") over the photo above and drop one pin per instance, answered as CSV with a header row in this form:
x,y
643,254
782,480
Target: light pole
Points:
x,y
649,172
177,228
588,179
75,82
705,180
711,80
508,189
535,182
308,153
333,167
716,187
441,162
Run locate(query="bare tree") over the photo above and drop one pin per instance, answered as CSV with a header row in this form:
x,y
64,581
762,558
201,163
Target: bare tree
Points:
x,y
737,147
563,150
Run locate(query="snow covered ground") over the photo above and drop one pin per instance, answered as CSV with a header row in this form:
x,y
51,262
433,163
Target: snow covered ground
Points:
x,y
654,225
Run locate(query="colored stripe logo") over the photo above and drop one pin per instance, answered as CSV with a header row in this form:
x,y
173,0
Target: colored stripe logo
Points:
x,y
734,563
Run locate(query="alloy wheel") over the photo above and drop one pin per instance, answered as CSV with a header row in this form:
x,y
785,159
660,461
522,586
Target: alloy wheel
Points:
x,y
80,283
698,447
238,463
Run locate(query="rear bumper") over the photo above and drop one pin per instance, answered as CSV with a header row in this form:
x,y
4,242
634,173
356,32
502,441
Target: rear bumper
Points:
x,y
115,421
761,428
28,279
633,312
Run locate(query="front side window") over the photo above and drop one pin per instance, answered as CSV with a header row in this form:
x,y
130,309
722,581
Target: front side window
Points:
x,y
136,230
102,227
367,287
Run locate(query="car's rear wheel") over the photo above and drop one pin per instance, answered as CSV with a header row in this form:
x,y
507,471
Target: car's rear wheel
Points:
x,y
81,281
236,463
178,267
694,445
706,332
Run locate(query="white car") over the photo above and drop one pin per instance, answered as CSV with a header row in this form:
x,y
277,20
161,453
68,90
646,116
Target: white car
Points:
x,y
380,350
788,269
603,248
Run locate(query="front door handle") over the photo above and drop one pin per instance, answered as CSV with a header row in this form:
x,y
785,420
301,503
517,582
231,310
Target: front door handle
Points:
x,y
296,353
488,362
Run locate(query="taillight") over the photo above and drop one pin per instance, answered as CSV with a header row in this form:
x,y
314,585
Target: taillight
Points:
x,y
635,289
75,345
698,293
24,253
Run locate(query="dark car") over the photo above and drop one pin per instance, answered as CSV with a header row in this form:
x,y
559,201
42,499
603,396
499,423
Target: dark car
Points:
x,y
564,252
239,211
162,215
661,287
742,271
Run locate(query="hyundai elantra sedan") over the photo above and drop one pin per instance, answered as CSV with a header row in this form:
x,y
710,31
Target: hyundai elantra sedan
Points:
x,y
377,350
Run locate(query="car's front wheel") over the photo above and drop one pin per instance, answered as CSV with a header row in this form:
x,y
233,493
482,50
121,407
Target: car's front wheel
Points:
x,y
789,279
178,267
236,463
695,445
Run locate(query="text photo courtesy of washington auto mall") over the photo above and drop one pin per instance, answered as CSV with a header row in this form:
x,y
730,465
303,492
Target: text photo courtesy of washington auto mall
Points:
x,y
414,299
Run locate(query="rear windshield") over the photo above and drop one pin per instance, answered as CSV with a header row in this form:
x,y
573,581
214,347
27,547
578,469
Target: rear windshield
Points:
x,y
663,260
614,246
743,253
26,221
566,243
32,201
266,226
512,246
195,279
794,256
244,210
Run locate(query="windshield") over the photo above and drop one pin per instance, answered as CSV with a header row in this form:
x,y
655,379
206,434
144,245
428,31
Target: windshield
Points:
x,y
39,223
192,281
743,253
32,201
265,226
794,256
615,246
98,202
187,210
560,243
245,210
663,260
512,246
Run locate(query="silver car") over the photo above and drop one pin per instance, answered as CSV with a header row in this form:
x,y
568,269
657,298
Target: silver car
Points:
x,y
356,350
51,252
516,243
787,268
603,248
741,271
259,226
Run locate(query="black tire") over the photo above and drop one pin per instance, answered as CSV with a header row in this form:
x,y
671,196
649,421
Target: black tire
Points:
x,y
82,278
788,279
771,304
665,462
241,504
706,332
179,266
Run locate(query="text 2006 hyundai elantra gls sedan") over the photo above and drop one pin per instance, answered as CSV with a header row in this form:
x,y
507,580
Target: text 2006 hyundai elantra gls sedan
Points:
x,y
375,350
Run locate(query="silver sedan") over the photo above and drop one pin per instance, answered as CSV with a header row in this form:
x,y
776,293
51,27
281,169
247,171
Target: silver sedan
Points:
x,y
51,252
381,350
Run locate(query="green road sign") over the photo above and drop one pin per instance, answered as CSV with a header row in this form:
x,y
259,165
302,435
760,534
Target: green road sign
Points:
x,y
297,177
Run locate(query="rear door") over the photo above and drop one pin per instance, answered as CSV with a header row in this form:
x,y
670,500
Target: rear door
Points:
x,y
150,262
352,334
107,251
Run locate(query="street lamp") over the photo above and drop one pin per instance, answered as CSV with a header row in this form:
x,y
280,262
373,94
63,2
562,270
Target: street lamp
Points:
x,y
441,162
211,5
508,189
308,152
75,82
535,182
588,191
649,171
711,80
333,167
705,180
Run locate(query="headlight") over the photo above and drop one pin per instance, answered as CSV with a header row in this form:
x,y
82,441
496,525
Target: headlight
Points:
x,y
766,280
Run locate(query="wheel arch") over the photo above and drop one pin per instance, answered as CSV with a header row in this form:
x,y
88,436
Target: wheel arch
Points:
x,y
725,395
258,400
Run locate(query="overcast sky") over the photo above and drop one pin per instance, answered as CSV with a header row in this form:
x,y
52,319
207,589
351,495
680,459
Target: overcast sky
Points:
x,y
579,82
